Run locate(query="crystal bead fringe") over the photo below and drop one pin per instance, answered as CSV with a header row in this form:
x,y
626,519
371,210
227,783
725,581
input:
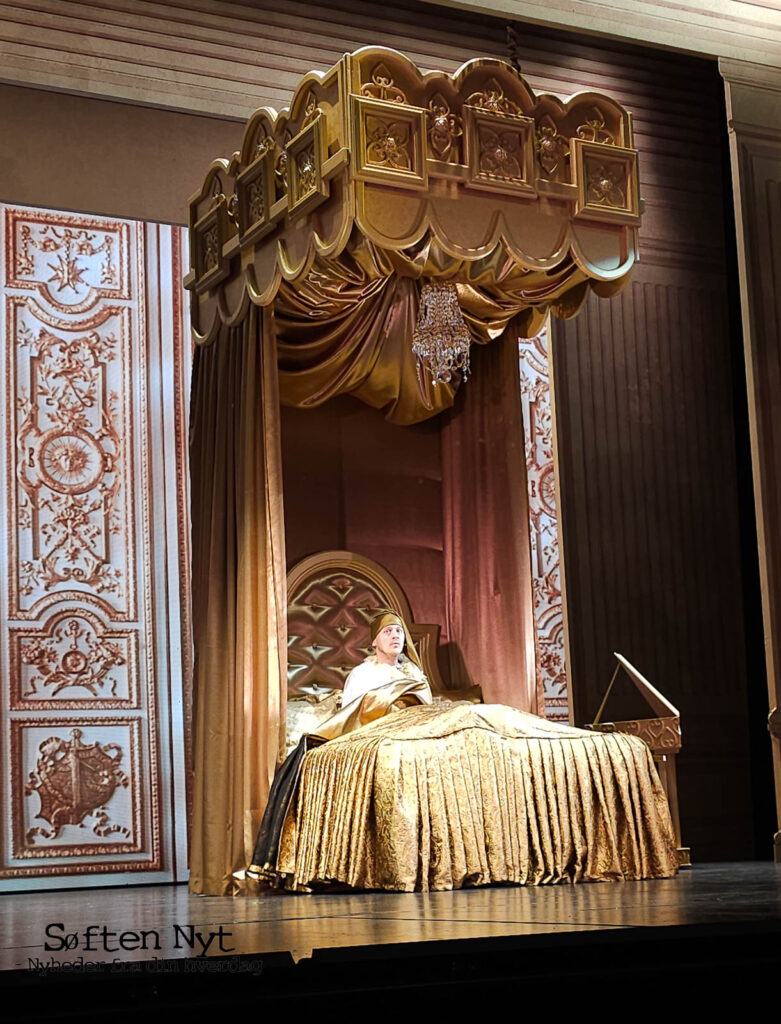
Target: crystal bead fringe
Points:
x,y
441,339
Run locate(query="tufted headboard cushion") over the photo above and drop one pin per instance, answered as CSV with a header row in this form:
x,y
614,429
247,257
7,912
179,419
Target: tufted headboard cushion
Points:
x,y
332,598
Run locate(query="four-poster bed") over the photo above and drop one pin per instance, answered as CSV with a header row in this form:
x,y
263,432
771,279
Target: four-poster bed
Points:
x,y
451,794
310,251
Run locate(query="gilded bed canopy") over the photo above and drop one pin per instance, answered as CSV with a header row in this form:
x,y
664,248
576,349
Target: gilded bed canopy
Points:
x,y
382,183
358,243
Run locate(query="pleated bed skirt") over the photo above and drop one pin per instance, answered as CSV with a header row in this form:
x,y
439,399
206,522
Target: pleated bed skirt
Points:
x,y
433,798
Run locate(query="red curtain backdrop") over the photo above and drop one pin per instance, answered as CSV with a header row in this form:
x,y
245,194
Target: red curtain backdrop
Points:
x,y
488,591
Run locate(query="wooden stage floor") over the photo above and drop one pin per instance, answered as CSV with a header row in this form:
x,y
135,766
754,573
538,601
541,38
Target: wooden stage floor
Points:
x,y
281,947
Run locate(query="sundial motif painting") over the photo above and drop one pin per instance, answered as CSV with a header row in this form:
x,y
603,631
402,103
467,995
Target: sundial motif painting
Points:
x,y
73,407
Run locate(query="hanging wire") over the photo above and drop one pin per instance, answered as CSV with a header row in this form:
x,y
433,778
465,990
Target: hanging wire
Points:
x,y
512,45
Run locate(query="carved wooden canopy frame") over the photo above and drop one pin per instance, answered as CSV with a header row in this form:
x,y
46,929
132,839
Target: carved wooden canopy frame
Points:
x,y
332,598
469,177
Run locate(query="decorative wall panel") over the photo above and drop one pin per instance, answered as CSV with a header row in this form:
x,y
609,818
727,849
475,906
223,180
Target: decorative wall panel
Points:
x,y
83,794
550,646
94,642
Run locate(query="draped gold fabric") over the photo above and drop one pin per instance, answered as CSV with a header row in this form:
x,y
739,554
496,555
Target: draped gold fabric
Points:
x,y
435,798
346,327
239,619
341,332
373,705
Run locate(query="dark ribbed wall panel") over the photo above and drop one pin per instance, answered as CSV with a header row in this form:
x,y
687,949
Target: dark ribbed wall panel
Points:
x,y
215,56
644,394
651,534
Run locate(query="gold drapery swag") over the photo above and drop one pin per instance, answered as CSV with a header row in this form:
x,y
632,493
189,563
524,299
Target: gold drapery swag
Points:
x,y
346,327
308,250
239,603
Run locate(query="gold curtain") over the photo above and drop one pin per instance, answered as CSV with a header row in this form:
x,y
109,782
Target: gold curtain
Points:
x,y
239,615
346,327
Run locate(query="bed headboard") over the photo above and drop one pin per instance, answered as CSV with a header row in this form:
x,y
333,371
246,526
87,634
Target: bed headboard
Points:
x,y
332,598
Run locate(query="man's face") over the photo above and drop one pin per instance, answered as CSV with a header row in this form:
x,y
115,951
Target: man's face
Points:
x,y
390,640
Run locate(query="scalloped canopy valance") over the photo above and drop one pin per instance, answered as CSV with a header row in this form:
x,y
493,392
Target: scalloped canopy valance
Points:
x,y
380,173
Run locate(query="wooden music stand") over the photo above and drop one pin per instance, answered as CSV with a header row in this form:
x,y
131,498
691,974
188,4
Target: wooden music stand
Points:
x,y
662,734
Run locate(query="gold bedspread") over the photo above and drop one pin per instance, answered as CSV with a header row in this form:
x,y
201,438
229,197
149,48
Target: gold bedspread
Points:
x,y
432,797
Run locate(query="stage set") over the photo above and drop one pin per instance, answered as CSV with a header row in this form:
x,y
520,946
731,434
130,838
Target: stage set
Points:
x,y
393,237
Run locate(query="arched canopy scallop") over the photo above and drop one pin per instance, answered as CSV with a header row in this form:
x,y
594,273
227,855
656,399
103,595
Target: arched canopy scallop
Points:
x,y
381,177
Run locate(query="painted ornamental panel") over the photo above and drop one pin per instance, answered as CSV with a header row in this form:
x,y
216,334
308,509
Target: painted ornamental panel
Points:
x,y
95,629
537,405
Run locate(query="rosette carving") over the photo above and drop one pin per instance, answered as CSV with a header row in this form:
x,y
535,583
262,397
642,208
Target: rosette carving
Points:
x,y
500,154
606,185
388,144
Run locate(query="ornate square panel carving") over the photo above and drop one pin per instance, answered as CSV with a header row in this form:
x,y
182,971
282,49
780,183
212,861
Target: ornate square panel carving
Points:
x,y
73,661
208,237
77,790
69,262
306,154
606,177
256,194
499,151
389,143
